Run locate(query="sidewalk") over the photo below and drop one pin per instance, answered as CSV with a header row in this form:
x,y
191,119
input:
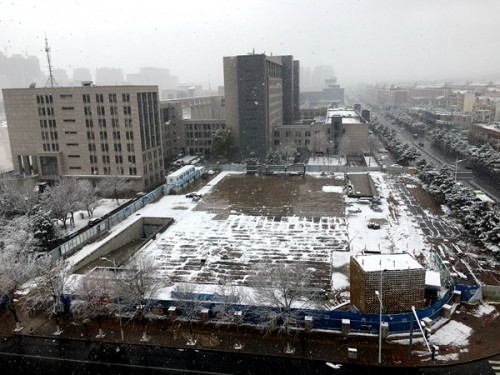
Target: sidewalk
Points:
x,y
315,345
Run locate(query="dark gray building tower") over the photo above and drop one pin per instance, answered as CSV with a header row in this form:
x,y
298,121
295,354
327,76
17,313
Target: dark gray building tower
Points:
x,y
296,90
259,93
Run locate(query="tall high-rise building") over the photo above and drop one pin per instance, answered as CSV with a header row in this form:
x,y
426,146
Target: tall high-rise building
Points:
x,y
88,132
260,95
19,71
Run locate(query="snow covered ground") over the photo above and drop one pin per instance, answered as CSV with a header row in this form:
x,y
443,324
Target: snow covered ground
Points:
x,y
202,249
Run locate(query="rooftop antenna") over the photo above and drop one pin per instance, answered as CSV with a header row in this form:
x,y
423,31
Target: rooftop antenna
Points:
x,y
51,81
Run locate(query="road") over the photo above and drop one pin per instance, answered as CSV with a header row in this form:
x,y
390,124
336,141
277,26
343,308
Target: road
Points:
x,y
436,156
36,355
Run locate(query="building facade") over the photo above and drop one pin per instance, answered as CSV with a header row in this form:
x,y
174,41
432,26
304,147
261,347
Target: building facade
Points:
x,y
260,94
342,131
485,133
189,125
87,132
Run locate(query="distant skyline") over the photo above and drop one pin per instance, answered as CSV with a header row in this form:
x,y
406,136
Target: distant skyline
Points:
x,y
365,41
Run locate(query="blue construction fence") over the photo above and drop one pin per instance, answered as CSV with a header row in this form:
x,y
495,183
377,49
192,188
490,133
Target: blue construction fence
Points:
x,y
467,291
322,319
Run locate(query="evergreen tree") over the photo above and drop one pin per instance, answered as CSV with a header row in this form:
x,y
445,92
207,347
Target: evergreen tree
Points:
x,y
43,229
224,146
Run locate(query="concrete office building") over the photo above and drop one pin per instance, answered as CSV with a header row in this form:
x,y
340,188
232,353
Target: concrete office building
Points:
x,y
87,132
189,125
260,94
341,131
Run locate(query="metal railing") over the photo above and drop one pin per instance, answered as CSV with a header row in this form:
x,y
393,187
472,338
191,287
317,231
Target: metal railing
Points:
x,y
71,246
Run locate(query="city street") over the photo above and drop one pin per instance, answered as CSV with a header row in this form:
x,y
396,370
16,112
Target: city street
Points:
x,y
436,156
34,355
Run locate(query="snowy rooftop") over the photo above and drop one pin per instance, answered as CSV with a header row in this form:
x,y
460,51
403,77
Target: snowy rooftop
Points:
x,y
433,278
387,262
348,115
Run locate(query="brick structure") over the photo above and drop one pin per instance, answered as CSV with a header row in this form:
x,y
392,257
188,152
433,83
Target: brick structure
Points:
x,y
399,277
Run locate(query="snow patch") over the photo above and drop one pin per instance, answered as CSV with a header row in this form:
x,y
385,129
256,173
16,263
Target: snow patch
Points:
x,y
333,189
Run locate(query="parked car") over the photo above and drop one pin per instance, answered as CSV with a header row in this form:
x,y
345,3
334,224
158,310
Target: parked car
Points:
x,y
193,195
373,226
95,221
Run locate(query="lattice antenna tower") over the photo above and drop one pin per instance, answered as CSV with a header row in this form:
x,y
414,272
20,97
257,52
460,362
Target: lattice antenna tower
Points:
x,y
51,81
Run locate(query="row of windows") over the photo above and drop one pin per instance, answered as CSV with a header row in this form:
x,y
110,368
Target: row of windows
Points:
x,y
198,135
45,111
48,123
298,133
49,135
101,111
297,142
106,159
203,126
42,99
117,147
107,170
119,170
129,135
50,147
99,98
89,123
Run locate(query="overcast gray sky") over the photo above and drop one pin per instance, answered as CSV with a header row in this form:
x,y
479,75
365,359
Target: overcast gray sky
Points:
x,y
365,41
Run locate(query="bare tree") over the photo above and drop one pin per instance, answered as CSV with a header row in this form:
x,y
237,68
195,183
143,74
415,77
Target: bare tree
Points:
x,y
138,286
283,290
94,293
88,196
114,185
63,200
47,288
230,308
190,305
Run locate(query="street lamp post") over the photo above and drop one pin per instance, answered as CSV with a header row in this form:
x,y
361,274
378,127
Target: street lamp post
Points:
x,y
119,304
379,296
456,167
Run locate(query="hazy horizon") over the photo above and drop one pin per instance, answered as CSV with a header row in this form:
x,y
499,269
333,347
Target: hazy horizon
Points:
x,y
365,41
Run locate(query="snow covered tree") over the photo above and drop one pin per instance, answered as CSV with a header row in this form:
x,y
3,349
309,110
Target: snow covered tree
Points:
x,y
17,197
283,290
17,263
94,294
138,287
224,145
190,305
89,198
62,200
114,185
43,229
231,308
47,288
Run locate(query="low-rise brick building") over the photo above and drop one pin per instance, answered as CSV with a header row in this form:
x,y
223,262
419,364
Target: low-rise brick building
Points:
x,y
399,279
